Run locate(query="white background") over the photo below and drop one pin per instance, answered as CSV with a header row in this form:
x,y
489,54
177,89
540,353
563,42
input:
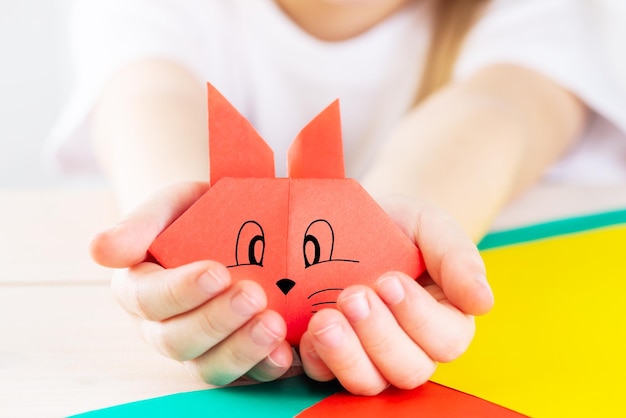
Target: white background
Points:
x,y
35,78
34,83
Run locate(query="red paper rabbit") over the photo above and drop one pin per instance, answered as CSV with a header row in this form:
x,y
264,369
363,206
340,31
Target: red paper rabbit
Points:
x,y
303,238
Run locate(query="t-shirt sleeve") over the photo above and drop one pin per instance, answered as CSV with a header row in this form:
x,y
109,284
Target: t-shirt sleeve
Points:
x,y
557,38
105,36
561,40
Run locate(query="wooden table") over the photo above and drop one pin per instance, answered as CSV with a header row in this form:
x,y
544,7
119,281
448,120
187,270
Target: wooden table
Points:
x,y
66,347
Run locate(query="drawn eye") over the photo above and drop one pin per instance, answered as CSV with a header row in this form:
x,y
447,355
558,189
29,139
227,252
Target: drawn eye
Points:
x,y
250,246
311,244
319,240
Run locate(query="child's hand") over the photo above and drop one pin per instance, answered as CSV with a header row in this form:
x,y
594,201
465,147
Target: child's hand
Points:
x,y
193,313
396,331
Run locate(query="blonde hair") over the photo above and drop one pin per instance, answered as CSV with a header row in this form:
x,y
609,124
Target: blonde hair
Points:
x,y
452,20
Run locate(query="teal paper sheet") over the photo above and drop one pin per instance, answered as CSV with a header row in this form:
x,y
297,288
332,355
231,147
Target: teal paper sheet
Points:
x,y
282,398
552,229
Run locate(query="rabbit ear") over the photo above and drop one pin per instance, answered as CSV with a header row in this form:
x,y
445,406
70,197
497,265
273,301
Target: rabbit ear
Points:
x,y
235,148
317,151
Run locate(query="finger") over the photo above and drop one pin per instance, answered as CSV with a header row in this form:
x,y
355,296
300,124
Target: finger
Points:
x,y
453,261
312,364
274,365
154,293
337,345
451,258
190,335
440,329
127,243
395,354
242,350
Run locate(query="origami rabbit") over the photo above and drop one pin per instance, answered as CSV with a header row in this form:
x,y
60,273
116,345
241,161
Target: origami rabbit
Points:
x,y
303,238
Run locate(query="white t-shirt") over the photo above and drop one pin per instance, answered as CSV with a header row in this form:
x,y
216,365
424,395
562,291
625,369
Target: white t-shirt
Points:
x,y
280,77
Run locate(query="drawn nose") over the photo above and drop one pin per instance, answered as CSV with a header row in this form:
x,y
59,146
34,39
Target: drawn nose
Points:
x,y
285,285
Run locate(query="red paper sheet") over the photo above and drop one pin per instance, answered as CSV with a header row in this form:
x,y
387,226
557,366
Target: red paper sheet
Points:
x,y
427,401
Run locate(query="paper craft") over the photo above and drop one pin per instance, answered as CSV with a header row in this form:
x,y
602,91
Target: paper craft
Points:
x,y
303,238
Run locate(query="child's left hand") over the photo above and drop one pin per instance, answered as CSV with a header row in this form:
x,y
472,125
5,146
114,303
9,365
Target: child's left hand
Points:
x,y
396,331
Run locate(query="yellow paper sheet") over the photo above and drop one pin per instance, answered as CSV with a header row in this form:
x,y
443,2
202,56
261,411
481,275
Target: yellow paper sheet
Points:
x,y
555,343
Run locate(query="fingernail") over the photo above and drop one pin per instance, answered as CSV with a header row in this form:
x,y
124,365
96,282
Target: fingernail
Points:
x,y
279,363
390,290
481,277
355,307
482,280
331,336
313,354
211,283
262,335
243,304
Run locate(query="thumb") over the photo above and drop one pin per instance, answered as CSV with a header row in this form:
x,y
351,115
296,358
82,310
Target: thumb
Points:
x,y
453,261
127,243
461,276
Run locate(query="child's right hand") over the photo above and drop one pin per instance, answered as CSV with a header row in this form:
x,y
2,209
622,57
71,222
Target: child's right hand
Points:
x,y
220,330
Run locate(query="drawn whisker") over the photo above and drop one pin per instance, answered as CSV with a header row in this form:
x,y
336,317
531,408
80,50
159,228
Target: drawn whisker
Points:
x,y
338,289
323,303
326,302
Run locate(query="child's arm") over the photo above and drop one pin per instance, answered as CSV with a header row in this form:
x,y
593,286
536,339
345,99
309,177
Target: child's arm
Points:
x,y
396,331
150,130
194,314
476,144
469,149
